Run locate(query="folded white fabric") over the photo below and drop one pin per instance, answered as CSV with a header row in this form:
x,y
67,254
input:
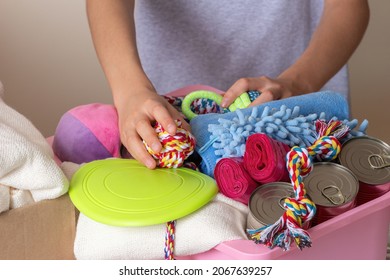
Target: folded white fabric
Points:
x,y
221,220
19,198
4,198
28,170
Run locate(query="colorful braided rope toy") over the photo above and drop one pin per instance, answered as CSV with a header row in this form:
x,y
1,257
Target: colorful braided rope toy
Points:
x,y
169,240
241,102
175,150
300,209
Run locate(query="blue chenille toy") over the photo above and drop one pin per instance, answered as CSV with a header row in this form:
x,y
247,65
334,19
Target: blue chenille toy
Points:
x,y
290,121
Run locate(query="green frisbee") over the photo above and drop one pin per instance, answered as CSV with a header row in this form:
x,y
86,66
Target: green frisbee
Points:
x,y
122,192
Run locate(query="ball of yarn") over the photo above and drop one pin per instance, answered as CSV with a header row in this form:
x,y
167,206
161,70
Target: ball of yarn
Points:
x,y
86,133
175,148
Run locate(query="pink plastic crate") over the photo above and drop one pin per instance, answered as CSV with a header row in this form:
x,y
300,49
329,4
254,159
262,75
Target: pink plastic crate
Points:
x,y
358,234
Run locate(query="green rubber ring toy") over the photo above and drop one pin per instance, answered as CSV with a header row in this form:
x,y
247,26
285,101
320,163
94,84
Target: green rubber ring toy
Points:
x,y
186,105
241,102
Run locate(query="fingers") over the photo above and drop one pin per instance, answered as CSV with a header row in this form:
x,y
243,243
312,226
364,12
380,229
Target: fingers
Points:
x,y
137,149
161,114
140,128
148,134
271,89
240,86
265,96
144,132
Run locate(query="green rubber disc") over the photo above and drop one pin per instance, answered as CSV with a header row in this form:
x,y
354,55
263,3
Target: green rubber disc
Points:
x,y
122,192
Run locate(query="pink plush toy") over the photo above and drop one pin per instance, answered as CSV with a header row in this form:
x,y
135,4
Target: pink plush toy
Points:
x,y
86,133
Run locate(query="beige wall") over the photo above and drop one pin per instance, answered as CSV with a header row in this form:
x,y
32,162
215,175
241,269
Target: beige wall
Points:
x,y
48,64
370,73
47,61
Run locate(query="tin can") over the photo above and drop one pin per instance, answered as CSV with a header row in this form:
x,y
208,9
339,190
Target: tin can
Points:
x,y
369,159
266,204
333,188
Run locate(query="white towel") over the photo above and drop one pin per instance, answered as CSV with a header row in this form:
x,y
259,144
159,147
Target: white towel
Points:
x,y
4,198
19,198
27,167
220,220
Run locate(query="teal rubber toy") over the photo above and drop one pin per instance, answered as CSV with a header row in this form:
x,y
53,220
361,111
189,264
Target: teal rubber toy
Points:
x,y
122,192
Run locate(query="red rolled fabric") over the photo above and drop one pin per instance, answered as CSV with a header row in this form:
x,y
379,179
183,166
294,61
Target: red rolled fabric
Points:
x,y
265,159
233,180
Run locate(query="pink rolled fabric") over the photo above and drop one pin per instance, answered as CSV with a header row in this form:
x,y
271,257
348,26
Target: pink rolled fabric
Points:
x,y
265,159
233,180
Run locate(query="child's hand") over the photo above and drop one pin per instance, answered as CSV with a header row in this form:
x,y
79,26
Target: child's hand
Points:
x,y
271,89
137,113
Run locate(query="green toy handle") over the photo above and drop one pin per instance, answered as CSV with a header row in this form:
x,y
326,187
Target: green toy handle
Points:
x,y
200,94
241,102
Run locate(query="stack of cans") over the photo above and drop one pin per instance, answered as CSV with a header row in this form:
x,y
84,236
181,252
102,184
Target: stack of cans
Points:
x,y
361,175
369,159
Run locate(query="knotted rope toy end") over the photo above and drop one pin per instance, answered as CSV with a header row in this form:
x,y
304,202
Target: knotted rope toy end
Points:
x,y
175,148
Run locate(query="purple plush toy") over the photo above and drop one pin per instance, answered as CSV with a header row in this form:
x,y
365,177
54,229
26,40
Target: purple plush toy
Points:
x,y
86,133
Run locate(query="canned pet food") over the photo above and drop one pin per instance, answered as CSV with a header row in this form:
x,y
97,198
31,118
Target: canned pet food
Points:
x,y
333,189
369,159
266,204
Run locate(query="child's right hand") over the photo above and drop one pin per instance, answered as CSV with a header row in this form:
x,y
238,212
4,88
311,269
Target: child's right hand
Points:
x,y
137,113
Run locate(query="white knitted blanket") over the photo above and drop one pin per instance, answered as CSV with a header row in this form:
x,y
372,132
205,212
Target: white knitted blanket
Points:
x,y
221,220
28,172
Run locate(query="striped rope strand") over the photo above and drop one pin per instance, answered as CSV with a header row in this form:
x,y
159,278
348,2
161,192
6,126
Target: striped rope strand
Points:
x,y
170,240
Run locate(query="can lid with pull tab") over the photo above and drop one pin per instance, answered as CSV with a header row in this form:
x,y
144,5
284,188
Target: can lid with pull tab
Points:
x,y
266,204
368,158
331,185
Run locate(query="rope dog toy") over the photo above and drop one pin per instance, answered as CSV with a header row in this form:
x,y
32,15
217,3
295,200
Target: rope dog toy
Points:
x,y
241,102
175,150
300,209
